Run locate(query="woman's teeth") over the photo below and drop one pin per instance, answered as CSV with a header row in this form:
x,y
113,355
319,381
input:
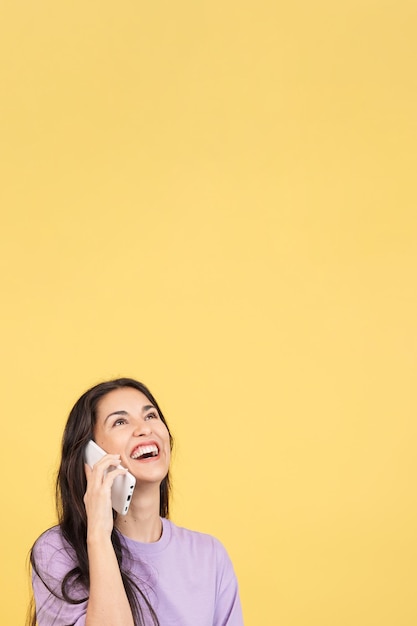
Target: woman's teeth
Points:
x,y
147,451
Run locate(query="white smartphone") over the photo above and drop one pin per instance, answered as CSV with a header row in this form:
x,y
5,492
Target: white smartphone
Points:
x,y
123,486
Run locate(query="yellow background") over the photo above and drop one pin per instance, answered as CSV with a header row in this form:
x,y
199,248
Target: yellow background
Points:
x,y
219,199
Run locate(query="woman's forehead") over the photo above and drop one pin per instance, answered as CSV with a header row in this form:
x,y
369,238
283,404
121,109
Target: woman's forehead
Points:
x,y
123,399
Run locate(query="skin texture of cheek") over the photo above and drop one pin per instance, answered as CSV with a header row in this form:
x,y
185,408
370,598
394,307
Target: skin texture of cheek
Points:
x,y
110,445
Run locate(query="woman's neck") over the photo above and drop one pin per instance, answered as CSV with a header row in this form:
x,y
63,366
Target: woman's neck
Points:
x,y
142,522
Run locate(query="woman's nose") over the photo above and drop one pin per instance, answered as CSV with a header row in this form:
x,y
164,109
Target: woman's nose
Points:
x,y
141,429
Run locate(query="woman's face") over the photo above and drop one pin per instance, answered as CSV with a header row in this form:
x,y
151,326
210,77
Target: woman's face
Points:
x,y
128,424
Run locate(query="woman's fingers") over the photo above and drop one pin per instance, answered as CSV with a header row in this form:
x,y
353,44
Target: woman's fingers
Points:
x,y
104,471
97,498
109,460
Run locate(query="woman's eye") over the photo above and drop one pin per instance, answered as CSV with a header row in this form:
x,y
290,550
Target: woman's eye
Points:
x,y
151,416
120,421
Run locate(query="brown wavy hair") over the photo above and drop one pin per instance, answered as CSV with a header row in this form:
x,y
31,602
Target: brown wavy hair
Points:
x,y
71,485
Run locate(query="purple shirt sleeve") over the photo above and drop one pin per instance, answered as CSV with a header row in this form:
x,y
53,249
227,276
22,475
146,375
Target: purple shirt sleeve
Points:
x,y
228,611
54,559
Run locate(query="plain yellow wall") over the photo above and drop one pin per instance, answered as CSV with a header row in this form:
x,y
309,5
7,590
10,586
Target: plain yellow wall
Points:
x,y
219,199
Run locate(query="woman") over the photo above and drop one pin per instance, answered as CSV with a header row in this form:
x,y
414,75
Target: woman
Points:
x,y
99,568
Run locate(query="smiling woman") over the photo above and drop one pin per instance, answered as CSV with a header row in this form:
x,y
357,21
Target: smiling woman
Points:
x,y
98,567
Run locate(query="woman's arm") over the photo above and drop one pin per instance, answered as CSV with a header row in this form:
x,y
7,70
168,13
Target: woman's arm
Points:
x,y
228,610
107,604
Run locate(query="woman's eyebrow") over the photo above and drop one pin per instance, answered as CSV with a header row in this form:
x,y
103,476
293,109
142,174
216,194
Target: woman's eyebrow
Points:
x,y
115,413
124,413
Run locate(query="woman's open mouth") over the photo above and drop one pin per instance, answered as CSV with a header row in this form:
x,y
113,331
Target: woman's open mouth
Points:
x,y
147,451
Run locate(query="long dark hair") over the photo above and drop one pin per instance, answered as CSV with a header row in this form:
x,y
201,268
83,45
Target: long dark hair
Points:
x,y
71,485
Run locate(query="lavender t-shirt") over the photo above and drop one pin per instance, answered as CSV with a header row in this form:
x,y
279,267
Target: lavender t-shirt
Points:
x,y
188,577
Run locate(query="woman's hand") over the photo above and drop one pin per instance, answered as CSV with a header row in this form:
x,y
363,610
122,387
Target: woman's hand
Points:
x,y
97,498
108,604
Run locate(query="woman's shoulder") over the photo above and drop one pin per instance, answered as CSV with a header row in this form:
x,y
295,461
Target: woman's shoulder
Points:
x,y
188,533
51,546
52,538
201,550
196,540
